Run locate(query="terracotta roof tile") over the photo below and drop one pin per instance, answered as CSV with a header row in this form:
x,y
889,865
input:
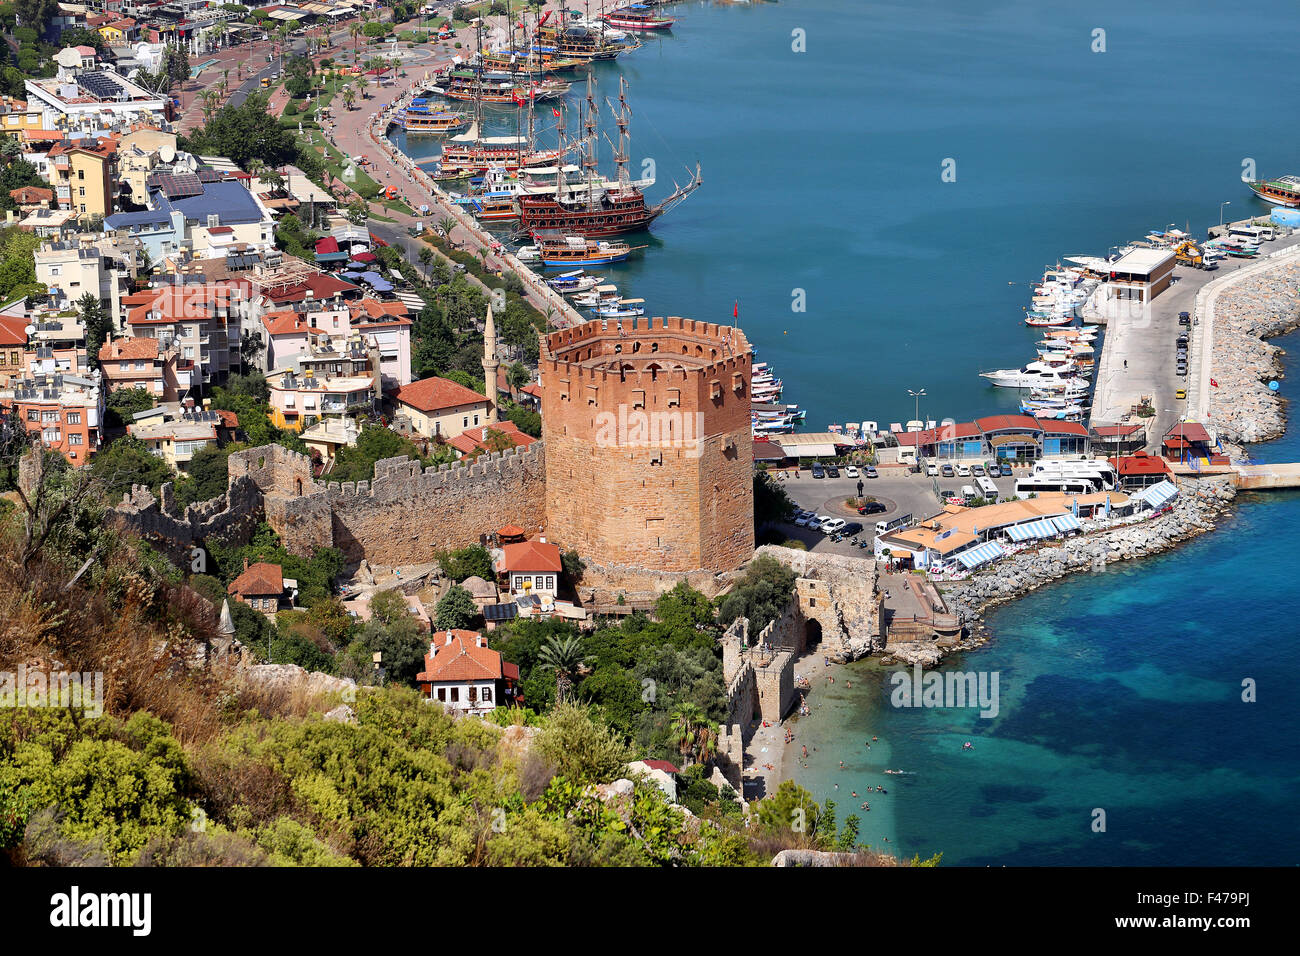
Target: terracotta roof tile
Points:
x,y
435,394
259,580
532,556
460,659
138,347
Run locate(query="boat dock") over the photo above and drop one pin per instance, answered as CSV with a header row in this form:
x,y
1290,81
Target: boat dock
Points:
x,y
1137,355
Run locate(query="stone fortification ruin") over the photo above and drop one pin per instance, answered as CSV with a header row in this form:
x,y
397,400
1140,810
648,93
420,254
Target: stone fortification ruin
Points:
x,y
403,516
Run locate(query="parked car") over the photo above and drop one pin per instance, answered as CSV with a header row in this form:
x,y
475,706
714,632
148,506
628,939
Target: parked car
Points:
x,y
932,470
1006,470
802,517
1184,318
831,525
850,471
815,522
871,472
947,471
818,471
977,470
832,471
963,471
872,508
1181,394
852,528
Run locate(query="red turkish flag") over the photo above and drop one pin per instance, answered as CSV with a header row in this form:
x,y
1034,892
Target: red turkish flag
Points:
x,y
555,111
735,312
1214,383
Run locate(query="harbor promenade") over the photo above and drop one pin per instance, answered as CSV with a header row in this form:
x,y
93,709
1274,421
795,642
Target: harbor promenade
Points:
x,y
1137,357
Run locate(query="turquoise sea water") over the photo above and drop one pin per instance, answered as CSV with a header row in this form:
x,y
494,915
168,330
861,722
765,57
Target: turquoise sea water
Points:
x,y
1119,690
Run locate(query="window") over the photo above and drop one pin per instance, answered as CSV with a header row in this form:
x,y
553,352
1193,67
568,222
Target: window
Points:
x,y
455,695
81,174
81,191
487,695
473,693
550,582
48,417
74,418
52,435
475,419
83,207
442,694
33,415
74,439
465,422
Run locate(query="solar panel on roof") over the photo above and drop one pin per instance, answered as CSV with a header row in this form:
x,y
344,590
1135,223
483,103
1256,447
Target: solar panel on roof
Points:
x,y
500,612
100,85
207,174
176,185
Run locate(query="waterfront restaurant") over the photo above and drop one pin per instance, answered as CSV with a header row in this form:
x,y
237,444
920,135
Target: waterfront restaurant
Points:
x,y
957,530
1012,436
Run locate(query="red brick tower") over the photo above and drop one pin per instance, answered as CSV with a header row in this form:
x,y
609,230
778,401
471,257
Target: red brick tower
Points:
x,y
649,450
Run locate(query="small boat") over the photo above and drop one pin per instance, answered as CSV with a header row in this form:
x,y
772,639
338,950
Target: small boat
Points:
x,y
1039,319
623,309
576,281
561,250
419,117
601,295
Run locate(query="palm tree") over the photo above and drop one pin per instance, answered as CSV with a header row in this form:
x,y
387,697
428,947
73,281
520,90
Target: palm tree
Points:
x,y
355,31
447,224
695,737
517,376
426,259
564,656
349,97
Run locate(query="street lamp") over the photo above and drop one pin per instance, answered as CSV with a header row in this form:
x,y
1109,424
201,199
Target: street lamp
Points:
x,y
1226,202
916,414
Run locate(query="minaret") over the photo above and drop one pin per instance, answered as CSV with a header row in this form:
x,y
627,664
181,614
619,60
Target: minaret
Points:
x,y
490,365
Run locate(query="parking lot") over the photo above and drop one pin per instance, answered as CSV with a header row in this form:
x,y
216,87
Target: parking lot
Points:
x,y
896,488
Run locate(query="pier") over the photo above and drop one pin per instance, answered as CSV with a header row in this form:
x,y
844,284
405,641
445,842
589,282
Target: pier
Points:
x,y
1137,356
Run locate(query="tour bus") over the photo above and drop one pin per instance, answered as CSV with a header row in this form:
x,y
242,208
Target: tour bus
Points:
x,y
987,488
1255,234
884,527
1042,484
1099,472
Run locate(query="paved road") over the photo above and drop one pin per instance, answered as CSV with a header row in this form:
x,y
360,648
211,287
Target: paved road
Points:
x,y
1139,351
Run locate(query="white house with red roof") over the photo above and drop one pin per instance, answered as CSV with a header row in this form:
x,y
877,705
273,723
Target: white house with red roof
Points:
x,y
531,567
490,438
466,676
439,408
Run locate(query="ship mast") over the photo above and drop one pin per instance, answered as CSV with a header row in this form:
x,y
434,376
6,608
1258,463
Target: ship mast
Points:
x,y
623,153
591,144
478,88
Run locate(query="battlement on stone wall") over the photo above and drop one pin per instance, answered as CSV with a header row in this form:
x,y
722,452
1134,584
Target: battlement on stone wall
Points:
x,y
403,479
709,349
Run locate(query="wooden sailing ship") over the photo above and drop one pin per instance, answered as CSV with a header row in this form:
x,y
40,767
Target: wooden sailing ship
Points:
x,y
598,213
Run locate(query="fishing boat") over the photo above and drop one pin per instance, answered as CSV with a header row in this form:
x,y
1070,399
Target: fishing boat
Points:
x,y
600,295
1039,374
494,87
1283,191
559,250
581,41
637,16
619,209
622,309
575,281
420,117
1039,319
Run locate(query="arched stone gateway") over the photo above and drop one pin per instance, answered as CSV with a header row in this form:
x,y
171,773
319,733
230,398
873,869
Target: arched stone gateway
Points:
x,y
812,634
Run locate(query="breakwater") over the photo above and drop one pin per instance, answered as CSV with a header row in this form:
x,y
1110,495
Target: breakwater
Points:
x,y
1237,320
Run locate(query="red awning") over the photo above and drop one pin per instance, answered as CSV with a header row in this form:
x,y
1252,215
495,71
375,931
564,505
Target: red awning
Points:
x,y
327,245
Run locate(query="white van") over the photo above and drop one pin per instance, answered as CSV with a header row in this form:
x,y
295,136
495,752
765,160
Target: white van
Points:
x,y
987,488
969,493
884,527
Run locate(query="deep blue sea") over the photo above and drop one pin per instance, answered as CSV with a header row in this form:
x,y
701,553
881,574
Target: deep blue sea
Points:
x,y
822,183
